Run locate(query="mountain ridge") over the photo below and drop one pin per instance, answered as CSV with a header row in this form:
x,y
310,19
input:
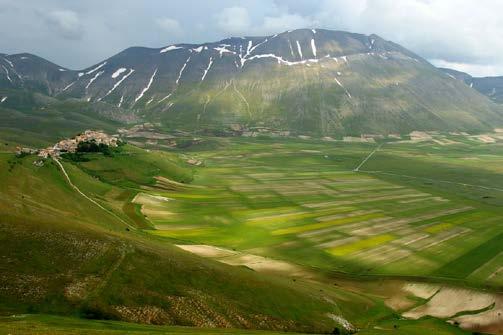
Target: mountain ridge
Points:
x,y
491,86
307,80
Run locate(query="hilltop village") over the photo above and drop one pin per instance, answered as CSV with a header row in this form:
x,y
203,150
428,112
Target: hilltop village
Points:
x,y
71,145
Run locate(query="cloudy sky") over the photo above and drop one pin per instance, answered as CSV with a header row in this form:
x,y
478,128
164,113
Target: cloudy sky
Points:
x,y
463,34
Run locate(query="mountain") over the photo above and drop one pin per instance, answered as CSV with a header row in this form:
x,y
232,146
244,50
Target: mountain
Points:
x,y
309,81
490,86
33,73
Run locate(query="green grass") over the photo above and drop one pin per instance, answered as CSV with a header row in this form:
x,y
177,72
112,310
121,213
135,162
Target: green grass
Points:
x,y
473,259
53,325
292,200
67,256
133,166
275,194
32,119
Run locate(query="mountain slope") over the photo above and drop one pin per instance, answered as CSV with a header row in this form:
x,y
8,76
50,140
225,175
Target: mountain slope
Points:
x,y
490,86
63,255
33,73
310,81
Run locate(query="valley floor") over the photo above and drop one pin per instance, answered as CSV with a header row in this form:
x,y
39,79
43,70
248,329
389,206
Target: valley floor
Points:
x,y
409,210
401,237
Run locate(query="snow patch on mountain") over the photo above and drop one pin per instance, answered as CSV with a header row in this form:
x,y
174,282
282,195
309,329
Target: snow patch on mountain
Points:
x,y
94,78
68,86
9,62
313,47
170,48
223,49
248,48
121,101
372,41
256,46
96,68
291,49
198,49
147,87
299,49
207,69
181,70
117,84
118,72
280,59
7,73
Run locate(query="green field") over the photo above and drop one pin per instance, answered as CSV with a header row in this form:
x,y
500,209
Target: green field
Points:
x,y
51,325
292,238
301,202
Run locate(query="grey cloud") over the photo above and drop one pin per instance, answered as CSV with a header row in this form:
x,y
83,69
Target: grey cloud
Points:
x,y
65,23
463,33
169,25
235,20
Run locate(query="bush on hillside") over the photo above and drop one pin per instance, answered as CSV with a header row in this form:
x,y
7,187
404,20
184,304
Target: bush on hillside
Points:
x,y
75,157
92,146
98,311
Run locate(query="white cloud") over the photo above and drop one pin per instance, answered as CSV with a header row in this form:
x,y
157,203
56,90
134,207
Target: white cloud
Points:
x,y
169,25
238,21
276,24
476,70
234,20
455,31
65,23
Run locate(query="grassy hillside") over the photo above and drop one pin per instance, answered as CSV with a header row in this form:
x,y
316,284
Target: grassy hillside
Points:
x,y
51,325
65,255
33,119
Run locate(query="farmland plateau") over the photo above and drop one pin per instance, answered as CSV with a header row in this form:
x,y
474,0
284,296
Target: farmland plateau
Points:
x,y
278,234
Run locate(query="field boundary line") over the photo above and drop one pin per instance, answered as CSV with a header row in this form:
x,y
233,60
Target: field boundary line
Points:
x,y
436,180
62,168
357,169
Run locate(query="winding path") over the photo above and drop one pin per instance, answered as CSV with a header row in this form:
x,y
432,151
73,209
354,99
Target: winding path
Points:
x,y
62,168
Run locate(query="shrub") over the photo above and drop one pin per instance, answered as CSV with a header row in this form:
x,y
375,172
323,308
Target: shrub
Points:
x,y
75,157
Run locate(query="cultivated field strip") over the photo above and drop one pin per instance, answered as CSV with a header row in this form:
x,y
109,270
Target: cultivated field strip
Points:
x,y
322,215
